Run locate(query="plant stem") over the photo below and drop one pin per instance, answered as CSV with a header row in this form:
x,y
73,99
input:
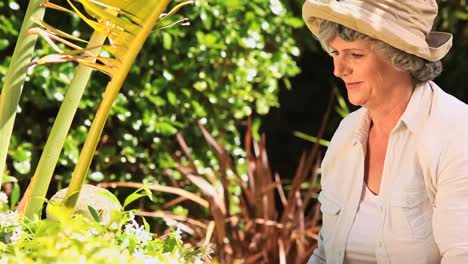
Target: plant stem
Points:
x,y
14,79
53,147
112,90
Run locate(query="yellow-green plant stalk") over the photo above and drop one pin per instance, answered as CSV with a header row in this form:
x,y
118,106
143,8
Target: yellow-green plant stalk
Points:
x,y
127,32
34,198
14,79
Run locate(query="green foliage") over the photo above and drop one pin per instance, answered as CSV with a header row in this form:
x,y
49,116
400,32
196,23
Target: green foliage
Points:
x,y
142,192
86,240
453,17
227,64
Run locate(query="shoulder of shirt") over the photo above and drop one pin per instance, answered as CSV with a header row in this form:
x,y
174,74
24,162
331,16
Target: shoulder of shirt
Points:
x,y
446,129
448,114
343,137
444,138
349,123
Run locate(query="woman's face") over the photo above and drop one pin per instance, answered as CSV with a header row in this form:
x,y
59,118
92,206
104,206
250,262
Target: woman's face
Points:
x,y
371,81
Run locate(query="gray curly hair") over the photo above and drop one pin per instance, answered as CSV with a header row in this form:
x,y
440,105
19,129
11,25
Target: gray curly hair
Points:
x,y
420,69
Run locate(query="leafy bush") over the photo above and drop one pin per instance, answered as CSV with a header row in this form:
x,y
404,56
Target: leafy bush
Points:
x,y
86,240
228,64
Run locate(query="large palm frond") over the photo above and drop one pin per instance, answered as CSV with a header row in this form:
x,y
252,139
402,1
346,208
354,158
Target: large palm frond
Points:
x,y
126,23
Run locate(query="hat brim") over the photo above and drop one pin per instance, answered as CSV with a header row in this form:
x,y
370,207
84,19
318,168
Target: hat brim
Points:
x,y
433,48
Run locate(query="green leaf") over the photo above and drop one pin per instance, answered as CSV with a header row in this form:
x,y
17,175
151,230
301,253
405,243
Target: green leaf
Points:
x,y
262,106
145,223
294,22
167,40
132,197
142,192
148,192
171,97
461,15
15,194
4,44
7,26
8,179
94,213
312,139
166,128
170,244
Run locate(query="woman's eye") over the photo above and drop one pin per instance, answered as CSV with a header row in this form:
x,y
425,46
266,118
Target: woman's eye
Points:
x,y
357,56
333,53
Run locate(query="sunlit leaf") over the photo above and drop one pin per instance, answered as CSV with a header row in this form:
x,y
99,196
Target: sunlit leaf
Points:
x,y
142,192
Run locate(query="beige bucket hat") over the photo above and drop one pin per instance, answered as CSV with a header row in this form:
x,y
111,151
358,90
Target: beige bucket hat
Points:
x,y
403,24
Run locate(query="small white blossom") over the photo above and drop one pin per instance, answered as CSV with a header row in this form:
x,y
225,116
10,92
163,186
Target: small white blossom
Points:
x,y
178,233
93,232
198,260
141,234
131,215
9,219
139,253
16,234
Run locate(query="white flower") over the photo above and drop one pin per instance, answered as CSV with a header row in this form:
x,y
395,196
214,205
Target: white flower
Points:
x,y
16,234
143,236
178,233
93,232
198,260
138,253
131,215
9,219
206,254
139,231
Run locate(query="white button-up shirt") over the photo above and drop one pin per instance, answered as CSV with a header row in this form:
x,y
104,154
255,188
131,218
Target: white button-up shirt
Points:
x,y
424,188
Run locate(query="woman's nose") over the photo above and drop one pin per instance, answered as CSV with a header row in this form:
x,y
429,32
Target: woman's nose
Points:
x,y
341,68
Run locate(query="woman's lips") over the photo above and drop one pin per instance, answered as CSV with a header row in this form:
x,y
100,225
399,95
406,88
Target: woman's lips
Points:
x,y
351,85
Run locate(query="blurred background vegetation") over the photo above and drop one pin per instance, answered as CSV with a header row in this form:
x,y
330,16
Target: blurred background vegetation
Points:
x,y
238,58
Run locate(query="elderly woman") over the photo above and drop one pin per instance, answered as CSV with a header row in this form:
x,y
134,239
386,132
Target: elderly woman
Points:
x,y
395,177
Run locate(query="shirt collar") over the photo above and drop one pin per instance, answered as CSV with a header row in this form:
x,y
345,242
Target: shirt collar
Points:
x,y
414,116
361,131
418,107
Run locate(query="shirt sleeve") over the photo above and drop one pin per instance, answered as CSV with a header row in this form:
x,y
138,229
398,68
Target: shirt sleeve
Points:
x,y
450,217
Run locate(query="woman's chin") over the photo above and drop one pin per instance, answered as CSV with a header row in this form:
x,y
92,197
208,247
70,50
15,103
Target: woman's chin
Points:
x,y
355,101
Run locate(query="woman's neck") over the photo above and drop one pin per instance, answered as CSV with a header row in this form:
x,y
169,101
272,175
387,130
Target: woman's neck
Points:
x,y
385,117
